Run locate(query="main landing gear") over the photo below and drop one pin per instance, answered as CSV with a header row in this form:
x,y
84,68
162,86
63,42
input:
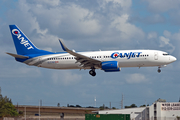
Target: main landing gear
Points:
x,y
159,70
92,72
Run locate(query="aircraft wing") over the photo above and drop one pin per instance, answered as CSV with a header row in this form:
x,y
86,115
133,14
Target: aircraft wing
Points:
x,y
84,60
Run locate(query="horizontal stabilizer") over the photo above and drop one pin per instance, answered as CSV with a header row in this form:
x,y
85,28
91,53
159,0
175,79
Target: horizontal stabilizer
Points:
x,y
17,56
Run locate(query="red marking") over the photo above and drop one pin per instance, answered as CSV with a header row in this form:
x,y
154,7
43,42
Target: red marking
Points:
x,y
115,55
16,32
56,61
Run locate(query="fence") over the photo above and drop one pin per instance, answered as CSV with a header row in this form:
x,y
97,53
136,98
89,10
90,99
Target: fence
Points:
x,y
17,118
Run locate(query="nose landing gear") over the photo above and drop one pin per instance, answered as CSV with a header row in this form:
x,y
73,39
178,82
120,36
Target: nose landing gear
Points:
x,y
159,70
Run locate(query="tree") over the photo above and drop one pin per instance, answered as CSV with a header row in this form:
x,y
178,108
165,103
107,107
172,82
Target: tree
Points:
x,y
103,107
143,106
78,106
132,106
7,109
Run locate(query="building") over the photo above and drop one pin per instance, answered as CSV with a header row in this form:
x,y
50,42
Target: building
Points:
x,y
160,110
53,113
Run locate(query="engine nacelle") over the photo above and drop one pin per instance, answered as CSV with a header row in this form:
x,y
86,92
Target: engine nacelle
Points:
x,y
110,66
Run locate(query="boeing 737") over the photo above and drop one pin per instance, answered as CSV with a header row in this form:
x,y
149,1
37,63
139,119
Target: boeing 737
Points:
x,y
109,61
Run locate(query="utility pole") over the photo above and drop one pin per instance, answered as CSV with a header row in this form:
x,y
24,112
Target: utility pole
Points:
x,y
39,110
95,101
122,102
40,102
25,112
0,90
110,105
17,108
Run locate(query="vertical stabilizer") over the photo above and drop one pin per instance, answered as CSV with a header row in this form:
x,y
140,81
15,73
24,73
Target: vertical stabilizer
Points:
x,y
23,45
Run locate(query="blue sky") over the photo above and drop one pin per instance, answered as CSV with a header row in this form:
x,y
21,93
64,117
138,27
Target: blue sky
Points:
x,y
88,26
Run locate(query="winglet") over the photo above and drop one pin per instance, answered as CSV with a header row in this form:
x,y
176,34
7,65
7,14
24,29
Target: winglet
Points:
x,y
63,46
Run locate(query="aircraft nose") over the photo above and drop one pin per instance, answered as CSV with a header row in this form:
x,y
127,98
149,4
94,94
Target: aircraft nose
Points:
x,y
173,58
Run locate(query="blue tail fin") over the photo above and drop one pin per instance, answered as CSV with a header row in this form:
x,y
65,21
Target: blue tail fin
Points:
x,y
23,45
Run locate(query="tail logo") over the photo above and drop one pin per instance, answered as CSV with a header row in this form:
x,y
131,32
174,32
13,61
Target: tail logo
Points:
x,y
21,39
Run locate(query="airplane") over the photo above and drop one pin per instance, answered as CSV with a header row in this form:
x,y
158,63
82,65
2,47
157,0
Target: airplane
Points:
x,y
109,61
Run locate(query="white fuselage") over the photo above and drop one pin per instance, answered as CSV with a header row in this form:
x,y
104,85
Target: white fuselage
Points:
x,y
125,58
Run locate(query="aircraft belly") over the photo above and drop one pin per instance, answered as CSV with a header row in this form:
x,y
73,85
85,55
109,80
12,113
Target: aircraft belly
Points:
x,y
60,65
137,63
131,63
66,66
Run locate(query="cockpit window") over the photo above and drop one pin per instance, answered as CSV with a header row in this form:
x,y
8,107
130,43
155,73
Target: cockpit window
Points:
x,y
165,54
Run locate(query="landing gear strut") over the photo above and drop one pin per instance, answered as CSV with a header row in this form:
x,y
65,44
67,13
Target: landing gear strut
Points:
x,y
92,72
159,70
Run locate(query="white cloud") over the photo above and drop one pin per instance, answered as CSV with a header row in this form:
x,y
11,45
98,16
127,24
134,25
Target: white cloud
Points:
x,y
154,19
47,2
152,35
18,70
82,20
127,31
176,41
136,78
168,11
166,42
46,24
69,17
163,41
162,6
65,78
167,34
124,4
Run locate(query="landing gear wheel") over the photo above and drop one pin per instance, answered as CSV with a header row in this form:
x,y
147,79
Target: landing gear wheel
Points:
x,y
92,72
159,70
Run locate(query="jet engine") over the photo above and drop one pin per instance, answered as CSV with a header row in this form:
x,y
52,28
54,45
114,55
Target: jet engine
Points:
x,y
110,66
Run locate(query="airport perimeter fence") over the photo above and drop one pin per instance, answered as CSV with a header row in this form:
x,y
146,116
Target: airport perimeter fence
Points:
x,y
17,118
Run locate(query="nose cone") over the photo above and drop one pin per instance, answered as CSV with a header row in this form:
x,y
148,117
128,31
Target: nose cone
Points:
x,y
173,59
